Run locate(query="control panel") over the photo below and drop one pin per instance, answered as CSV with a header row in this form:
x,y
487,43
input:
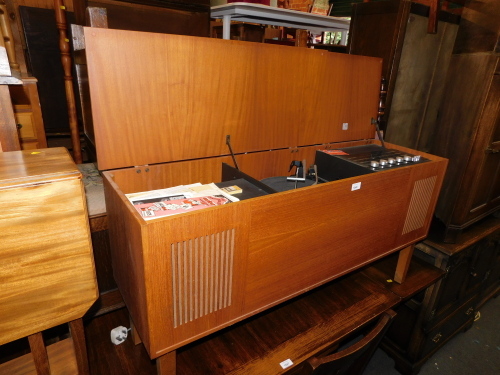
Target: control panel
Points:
x,y
354,161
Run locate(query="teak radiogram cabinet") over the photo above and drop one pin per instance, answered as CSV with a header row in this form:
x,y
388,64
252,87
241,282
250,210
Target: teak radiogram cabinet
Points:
x,y
163,107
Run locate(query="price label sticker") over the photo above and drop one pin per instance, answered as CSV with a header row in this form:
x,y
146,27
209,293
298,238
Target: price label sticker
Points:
x,y
356,186
286,363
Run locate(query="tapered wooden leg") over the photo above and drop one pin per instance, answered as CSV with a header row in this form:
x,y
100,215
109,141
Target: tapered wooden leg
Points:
x,y
166,364
133,332
78,336
39,353
403,263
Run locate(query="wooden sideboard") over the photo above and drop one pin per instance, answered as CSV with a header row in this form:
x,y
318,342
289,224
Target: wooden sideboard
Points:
x,y
472,276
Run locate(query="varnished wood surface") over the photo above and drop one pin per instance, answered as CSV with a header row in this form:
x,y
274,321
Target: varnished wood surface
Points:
x,y
77,333
470,191
64,46
46,262
177,293
61,360
9,140
295,331
140,104
31,90
480,29
39,354
35,166
420,275
386,43
403,264
110,359
468,237
259,165
175,17
263,338
275,240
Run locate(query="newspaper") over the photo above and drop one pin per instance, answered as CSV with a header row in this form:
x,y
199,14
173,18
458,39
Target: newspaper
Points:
x,y
179,199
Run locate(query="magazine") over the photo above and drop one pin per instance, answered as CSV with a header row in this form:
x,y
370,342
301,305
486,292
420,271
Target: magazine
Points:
x,y
180,199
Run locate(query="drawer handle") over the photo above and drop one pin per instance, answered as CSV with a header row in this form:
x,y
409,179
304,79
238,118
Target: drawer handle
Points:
x,y
469,311
19,126
437,338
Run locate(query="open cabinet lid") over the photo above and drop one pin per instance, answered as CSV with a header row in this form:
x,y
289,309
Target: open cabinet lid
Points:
x,y
159,98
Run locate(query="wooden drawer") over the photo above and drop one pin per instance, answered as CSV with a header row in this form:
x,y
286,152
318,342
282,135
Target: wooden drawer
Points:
x,y
25,125
438,335
27,128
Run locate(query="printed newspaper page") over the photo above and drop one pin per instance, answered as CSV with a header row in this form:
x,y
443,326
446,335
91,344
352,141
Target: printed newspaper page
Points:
x,y
179,199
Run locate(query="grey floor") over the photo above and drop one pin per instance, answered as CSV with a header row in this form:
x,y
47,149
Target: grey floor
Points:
x,y
476,351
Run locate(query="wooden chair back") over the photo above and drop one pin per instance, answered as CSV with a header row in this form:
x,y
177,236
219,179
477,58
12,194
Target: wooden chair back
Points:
x,y
352,360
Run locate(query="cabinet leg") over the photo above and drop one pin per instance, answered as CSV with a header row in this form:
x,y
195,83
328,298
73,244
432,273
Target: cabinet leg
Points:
x,y
133,331
451,235
39,353
78,336
403,263
166,364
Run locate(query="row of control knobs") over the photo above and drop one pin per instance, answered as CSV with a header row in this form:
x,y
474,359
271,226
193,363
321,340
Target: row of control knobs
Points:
x,y
398,160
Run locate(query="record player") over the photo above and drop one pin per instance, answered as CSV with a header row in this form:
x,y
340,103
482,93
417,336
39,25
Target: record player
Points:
x,y
163,107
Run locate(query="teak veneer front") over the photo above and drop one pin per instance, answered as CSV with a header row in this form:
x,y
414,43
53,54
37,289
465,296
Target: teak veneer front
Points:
x,y
162,107
46,263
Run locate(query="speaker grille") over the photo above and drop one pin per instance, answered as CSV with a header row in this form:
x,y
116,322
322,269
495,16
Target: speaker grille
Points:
x,y
419,204
202,274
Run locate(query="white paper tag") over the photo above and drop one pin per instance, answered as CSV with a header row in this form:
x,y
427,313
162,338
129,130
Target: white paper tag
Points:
x,y
356,186
286,363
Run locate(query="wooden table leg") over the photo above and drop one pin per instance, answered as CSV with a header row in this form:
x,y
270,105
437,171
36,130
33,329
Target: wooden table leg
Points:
x,y
403,263
39,353
78,336
166,364
133,332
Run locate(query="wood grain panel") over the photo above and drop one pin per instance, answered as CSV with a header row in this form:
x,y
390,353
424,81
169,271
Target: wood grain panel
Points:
x,y
465,145
258,165
170,174
127,253
36,166
340,228
165,232
187,92
47,269
326,220
61,359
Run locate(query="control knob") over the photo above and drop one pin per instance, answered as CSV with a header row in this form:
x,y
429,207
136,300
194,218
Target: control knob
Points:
x,y
383,162
407,158
399,159
374,164
391,161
